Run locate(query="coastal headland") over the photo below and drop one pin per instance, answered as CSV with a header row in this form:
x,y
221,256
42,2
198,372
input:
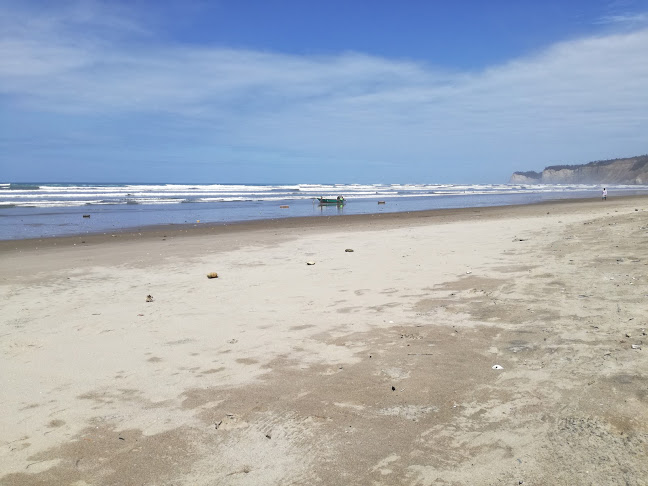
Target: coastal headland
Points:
x,y
631,170
489,346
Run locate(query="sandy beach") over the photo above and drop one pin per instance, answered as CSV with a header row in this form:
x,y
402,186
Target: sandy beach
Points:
x,y
368,367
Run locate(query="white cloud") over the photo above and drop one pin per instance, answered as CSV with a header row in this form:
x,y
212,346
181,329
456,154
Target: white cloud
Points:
x,y
588,91
633,19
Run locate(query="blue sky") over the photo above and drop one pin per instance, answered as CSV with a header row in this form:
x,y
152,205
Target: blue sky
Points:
x,y
327,91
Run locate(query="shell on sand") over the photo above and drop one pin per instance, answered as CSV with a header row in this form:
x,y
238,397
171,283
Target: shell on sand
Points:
x,y
212,275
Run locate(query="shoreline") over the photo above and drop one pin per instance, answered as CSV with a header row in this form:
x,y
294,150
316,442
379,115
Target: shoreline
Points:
x,y
289,223
380,361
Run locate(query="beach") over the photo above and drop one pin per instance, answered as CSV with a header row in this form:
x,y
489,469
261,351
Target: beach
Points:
x,y
486,346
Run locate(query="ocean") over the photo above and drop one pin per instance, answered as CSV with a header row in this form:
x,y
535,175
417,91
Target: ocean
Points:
x,y
39,210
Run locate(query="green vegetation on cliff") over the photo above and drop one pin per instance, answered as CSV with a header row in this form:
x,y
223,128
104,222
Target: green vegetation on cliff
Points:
x,y
641,161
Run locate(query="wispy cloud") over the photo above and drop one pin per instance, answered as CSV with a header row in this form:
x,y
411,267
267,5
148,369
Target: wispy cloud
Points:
x,y
578,99
632,20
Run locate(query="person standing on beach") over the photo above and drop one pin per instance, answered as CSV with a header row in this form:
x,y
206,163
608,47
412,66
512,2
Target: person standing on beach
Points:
x,y
604,195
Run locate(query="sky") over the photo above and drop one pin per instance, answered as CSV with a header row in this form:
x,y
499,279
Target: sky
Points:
x,y
328,91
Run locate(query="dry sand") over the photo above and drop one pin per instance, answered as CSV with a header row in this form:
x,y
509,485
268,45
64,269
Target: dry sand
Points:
x,y
371,367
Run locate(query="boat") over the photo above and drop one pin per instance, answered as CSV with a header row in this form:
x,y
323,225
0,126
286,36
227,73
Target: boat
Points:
x,y
332,200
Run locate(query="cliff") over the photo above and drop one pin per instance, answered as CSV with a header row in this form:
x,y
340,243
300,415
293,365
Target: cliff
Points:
x,y
633,170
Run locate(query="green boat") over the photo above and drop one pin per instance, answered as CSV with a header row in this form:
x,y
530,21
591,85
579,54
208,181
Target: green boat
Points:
x,y
332,200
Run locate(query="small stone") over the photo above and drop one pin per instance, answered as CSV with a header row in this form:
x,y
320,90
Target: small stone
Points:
x,y
636,346
349,250
393,388
310,263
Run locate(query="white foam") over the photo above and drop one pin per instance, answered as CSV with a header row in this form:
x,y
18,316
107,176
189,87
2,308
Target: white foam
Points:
x,y
83,194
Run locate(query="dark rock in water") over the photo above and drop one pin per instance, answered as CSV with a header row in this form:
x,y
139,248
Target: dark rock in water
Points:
x,y
86,215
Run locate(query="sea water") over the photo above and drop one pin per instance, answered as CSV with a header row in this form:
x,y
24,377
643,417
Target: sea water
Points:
x,y
38,210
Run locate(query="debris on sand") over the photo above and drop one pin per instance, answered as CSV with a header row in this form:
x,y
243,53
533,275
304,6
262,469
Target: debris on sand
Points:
x,y
349,250
310,263
212,275
149,298
498,367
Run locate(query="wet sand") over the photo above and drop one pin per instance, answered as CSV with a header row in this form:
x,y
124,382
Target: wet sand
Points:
x,y
369,367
